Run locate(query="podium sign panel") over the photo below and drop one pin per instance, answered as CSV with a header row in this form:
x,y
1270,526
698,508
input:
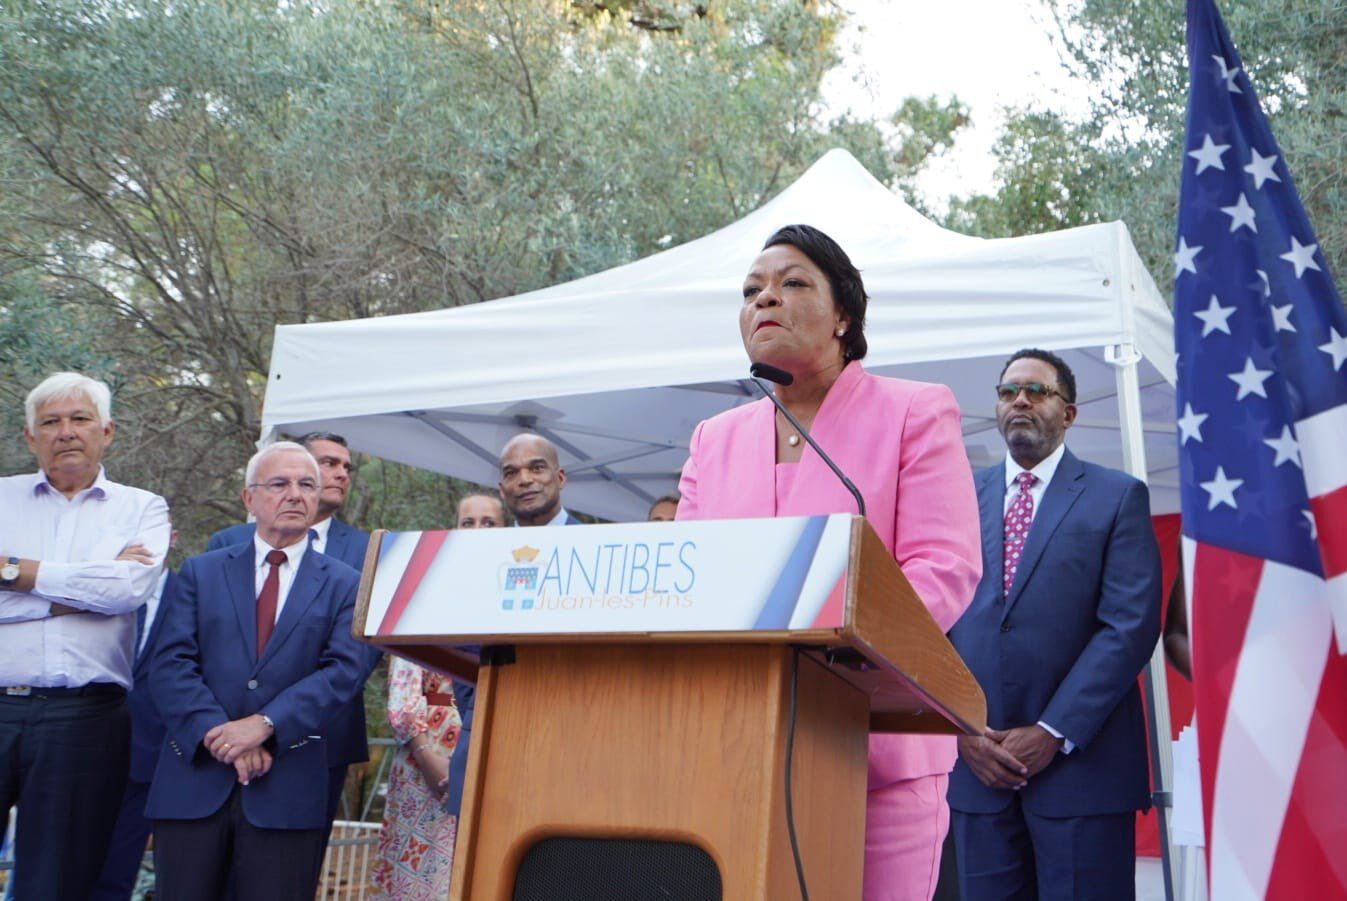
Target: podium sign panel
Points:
x,y
637,577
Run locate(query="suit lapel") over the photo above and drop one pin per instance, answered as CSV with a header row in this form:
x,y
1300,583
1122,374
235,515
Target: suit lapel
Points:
x,y
828,421
302,593
336,540
1062,492
243,591
991,513
757,491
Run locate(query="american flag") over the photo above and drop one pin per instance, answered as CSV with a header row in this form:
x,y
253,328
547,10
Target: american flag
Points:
x,y
1261,337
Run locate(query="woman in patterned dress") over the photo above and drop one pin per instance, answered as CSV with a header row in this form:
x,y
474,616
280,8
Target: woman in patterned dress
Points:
x,y
416,841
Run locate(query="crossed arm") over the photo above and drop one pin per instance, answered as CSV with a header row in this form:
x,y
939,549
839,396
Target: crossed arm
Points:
x,y
105,586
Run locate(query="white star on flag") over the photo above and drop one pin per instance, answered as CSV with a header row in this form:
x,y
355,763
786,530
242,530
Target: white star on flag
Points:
x,y
1336,348
1227,74
1281,318
1301,256
1209,155
1215,318
1183,258
1260,167
1287,448
1190,425
1250,380
1221,490
1241,214
1314,526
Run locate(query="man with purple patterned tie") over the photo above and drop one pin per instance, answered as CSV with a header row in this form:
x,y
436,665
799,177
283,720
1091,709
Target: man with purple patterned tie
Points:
x,y
1066,615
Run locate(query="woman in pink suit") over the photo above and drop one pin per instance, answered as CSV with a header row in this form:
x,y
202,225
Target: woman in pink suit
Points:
x,y
900,442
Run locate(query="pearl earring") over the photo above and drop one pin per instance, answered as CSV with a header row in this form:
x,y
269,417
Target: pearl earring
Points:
x,y
840,332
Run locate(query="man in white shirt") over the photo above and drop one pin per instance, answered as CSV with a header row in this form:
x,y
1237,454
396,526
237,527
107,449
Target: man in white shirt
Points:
x,y
79,554
254,661
531,479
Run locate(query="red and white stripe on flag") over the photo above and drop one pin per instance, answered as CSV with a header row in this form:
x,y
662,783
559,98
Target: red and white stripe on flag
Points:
x,y
1271,693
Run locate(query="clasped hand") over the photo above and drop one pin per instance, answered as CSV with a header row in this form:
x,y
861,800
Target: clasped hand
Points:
x,y
1009,758
238,743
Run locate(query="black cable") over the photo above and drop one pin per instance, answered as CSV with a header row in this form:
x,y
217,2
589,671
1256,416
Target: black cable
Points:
x,y
790,753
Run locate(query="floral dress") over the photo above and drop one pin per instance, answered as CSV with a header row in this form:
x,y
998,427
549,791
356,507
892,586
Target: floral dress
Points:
x,y
416,841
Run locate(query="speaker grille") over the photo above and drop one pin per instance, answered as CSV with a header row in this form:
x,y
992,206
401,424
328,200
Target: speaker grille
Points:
x,y
599,869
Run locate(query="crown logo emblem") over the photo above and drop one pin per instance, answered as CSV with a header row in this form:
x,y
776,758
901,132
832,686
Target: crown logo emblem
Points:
x,y
525,554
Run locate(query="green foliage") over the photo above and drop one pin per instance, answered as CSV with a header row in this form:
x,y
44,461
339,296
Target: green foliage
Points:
x,y
178,178
1124,162
1048,175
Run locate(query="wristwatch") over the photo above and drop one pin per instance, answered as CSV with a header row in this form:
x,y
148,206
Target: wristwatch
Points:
x,y
9,573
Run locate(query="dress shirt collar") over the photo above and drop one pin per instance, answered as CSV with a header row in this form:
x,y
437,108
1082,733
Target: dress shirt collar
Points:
x,y
292,552
560,519
1045,469
98,490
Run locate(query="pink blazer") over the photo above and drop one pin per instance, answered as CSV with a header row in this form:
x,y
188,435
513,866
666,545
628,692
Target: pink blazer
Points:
x,y
900,443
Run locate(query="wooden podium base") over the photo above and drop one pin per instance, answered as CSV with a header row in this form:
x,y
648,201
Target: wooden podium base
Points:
x,y
683,743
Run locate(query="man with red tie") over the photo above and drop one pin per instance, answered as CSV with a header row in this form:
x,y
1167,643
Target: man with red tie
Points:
x,y
255,659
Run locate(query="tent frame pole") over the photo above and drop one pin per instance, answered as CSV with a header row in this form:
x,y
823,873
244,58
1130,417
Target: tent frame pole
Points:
x,y
1124,357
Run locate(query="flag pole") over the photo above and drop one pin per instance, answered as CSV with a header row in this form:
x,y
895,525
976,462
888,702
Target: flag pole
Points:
x,y
1124,359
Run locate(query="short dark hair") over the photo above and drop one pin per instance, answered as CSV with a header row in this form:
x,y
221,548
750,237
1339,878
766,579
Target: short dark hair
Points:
x,y
843,277
666,499
1066,379
308,439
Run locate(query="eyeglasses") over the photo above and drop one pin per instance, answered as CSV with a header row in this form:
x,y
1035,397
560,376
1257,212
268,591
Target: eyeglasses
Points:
x,y
280,486
1006,392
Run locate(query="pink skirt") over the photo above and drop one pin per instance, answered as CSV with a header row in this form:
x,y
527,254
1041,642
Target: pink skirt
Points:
x,y
905,826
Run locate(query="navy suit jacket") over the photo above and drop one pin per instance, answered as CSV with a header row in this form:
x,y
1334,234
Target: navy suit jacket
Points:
x,y
1067,643
147,726
206,671
346,735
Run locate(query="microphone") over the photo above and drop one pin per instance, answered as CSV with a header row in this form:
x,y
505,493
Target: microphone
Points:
x,y
760,371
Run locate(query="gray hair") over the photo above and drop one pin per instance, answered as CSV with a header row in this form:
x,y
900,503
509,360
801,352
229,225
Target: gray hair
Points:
x,y
279,447
64,386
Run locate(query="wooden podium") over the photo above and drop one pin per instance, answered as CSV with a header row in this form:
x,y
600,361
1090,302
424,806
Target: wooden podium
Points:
x,y
679,734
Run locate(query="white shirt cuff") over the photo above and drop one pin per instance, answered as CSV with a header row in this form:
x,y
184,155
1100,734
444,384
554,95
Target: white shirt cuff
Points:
x,y
1067,744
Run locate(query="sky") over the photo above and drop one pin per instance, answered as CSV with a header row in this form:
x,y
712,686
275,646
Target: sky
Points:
x,y
989,53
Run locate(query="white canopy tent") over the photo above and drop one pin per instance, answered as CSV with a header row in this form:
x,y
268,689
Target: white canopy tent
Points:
x,y
617,368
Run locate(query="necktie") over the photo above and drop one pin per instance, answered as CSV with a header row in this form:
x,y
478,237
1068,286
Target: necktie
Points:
x,y
266,601
1018,518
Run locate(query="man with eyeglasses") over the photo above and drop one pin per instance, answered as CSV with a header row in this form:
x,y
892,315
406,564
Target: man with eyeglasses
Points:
x,y
347,734
254,661
1065,616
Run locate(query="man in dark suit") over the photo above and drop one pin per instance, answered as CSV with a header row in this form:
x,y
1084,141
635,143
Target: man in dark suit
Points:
x,y
346,735
1066,615
117,881
255,660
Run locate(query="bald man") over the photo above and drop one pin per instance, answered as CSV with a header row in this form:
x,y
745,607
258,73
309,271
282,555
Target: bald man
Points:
x,y
531,480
